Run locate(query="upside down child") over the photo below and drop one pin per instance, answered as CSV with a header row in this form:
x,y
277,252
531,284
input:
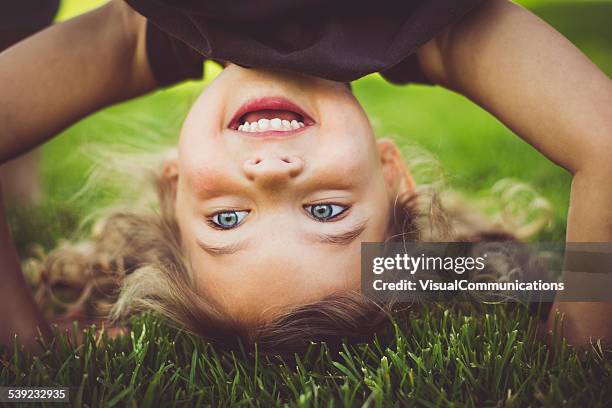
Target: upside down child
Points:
x,y
276,158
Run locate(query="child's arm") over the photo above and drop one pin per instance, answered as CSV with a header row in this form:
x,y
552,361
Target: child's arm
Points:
x,y
48,82
19,313
68,71
543,88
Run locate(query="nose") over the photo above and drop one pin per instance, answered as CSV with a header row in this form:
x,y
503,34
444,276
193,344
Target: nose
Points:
x,y
273,169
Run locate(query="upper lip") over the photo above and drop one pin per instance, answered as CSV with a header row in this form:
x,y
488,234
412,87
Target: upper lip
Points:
x,y
270,102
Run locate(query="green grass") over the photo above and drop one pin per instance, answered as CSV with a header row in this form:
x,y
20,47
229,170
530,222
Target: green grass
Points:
x,y
436,356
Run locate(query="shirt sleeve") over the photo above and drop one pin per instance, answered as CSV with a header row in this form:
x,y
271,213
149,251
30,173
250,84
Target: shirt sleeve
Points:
x,y
170,59
407,71
27,15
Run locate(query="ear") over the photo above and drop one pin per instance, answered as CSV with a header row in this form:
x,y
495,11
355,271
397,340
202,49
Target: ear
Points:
x,y
169,176
395,171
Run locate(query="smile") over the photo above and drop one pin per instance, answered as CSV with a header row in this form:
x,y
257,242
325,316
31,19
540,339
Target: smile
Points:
x,y
271,116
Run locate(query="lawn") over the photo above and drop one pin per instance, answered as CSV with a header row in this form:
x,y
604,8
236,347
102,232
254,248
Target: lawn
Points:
x,y
434,356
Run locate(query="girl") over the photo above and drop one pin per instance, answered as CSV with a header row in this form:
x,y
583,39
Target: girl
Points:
x,y
262,212
499,55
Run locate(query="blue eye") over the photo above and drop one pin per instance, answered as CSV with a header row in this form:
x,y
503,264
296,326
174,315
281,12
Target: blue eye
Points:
x,y
325,212
228,219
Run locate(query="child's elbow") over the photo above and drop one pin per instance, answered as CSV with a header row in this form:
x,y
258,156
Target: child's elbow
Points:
x,y
593,152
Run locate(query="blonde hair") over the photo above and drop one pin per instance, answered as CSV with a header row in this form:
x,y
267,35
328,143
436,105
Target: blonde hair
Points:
x,y
132,261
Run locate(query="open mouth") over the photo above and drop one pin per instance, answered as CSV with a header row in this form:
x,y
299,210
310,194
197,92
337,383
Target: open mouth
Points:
x,y
270,116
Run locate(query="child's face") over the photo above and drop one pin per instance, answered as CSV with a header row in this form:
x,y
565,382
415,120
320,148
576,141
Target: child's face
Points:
x,y
275,218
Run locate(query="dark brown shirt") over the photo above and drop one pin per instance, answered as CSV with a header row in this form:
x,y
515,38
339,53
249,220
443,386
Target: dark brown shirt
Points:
x,y
22,18
341,40
26,14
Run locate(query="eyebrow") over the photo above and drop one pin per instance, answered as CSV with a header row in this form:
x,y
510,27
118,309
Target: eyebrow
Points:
x,y
342,238
217,250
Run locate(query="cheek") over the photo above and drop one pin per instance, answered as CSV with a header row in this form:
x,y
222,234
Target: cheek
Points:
x,y
205,168
351,144
201,177
346,158
200,145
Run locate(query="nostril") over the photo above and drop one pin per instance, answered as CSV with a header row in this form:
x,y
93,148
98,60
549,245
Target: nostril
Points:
x,y
274,167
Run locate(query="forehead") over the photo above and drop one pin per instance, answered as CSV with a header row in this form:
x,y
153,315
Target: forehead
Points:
x,y
273,275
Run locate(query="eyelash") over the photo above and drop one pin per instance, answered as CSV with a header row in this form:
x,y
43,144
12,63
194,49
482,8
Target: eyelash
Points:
x,y
345,208
213,225
210,220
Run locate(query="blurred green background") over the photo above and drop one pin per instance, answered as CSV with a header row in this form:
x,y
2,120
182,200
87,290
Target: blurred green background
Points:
x,y
474,149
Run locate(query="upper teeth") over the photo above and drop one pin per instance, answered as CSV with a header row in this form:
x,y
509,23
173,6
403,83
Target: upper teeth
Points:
x,y
263,125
